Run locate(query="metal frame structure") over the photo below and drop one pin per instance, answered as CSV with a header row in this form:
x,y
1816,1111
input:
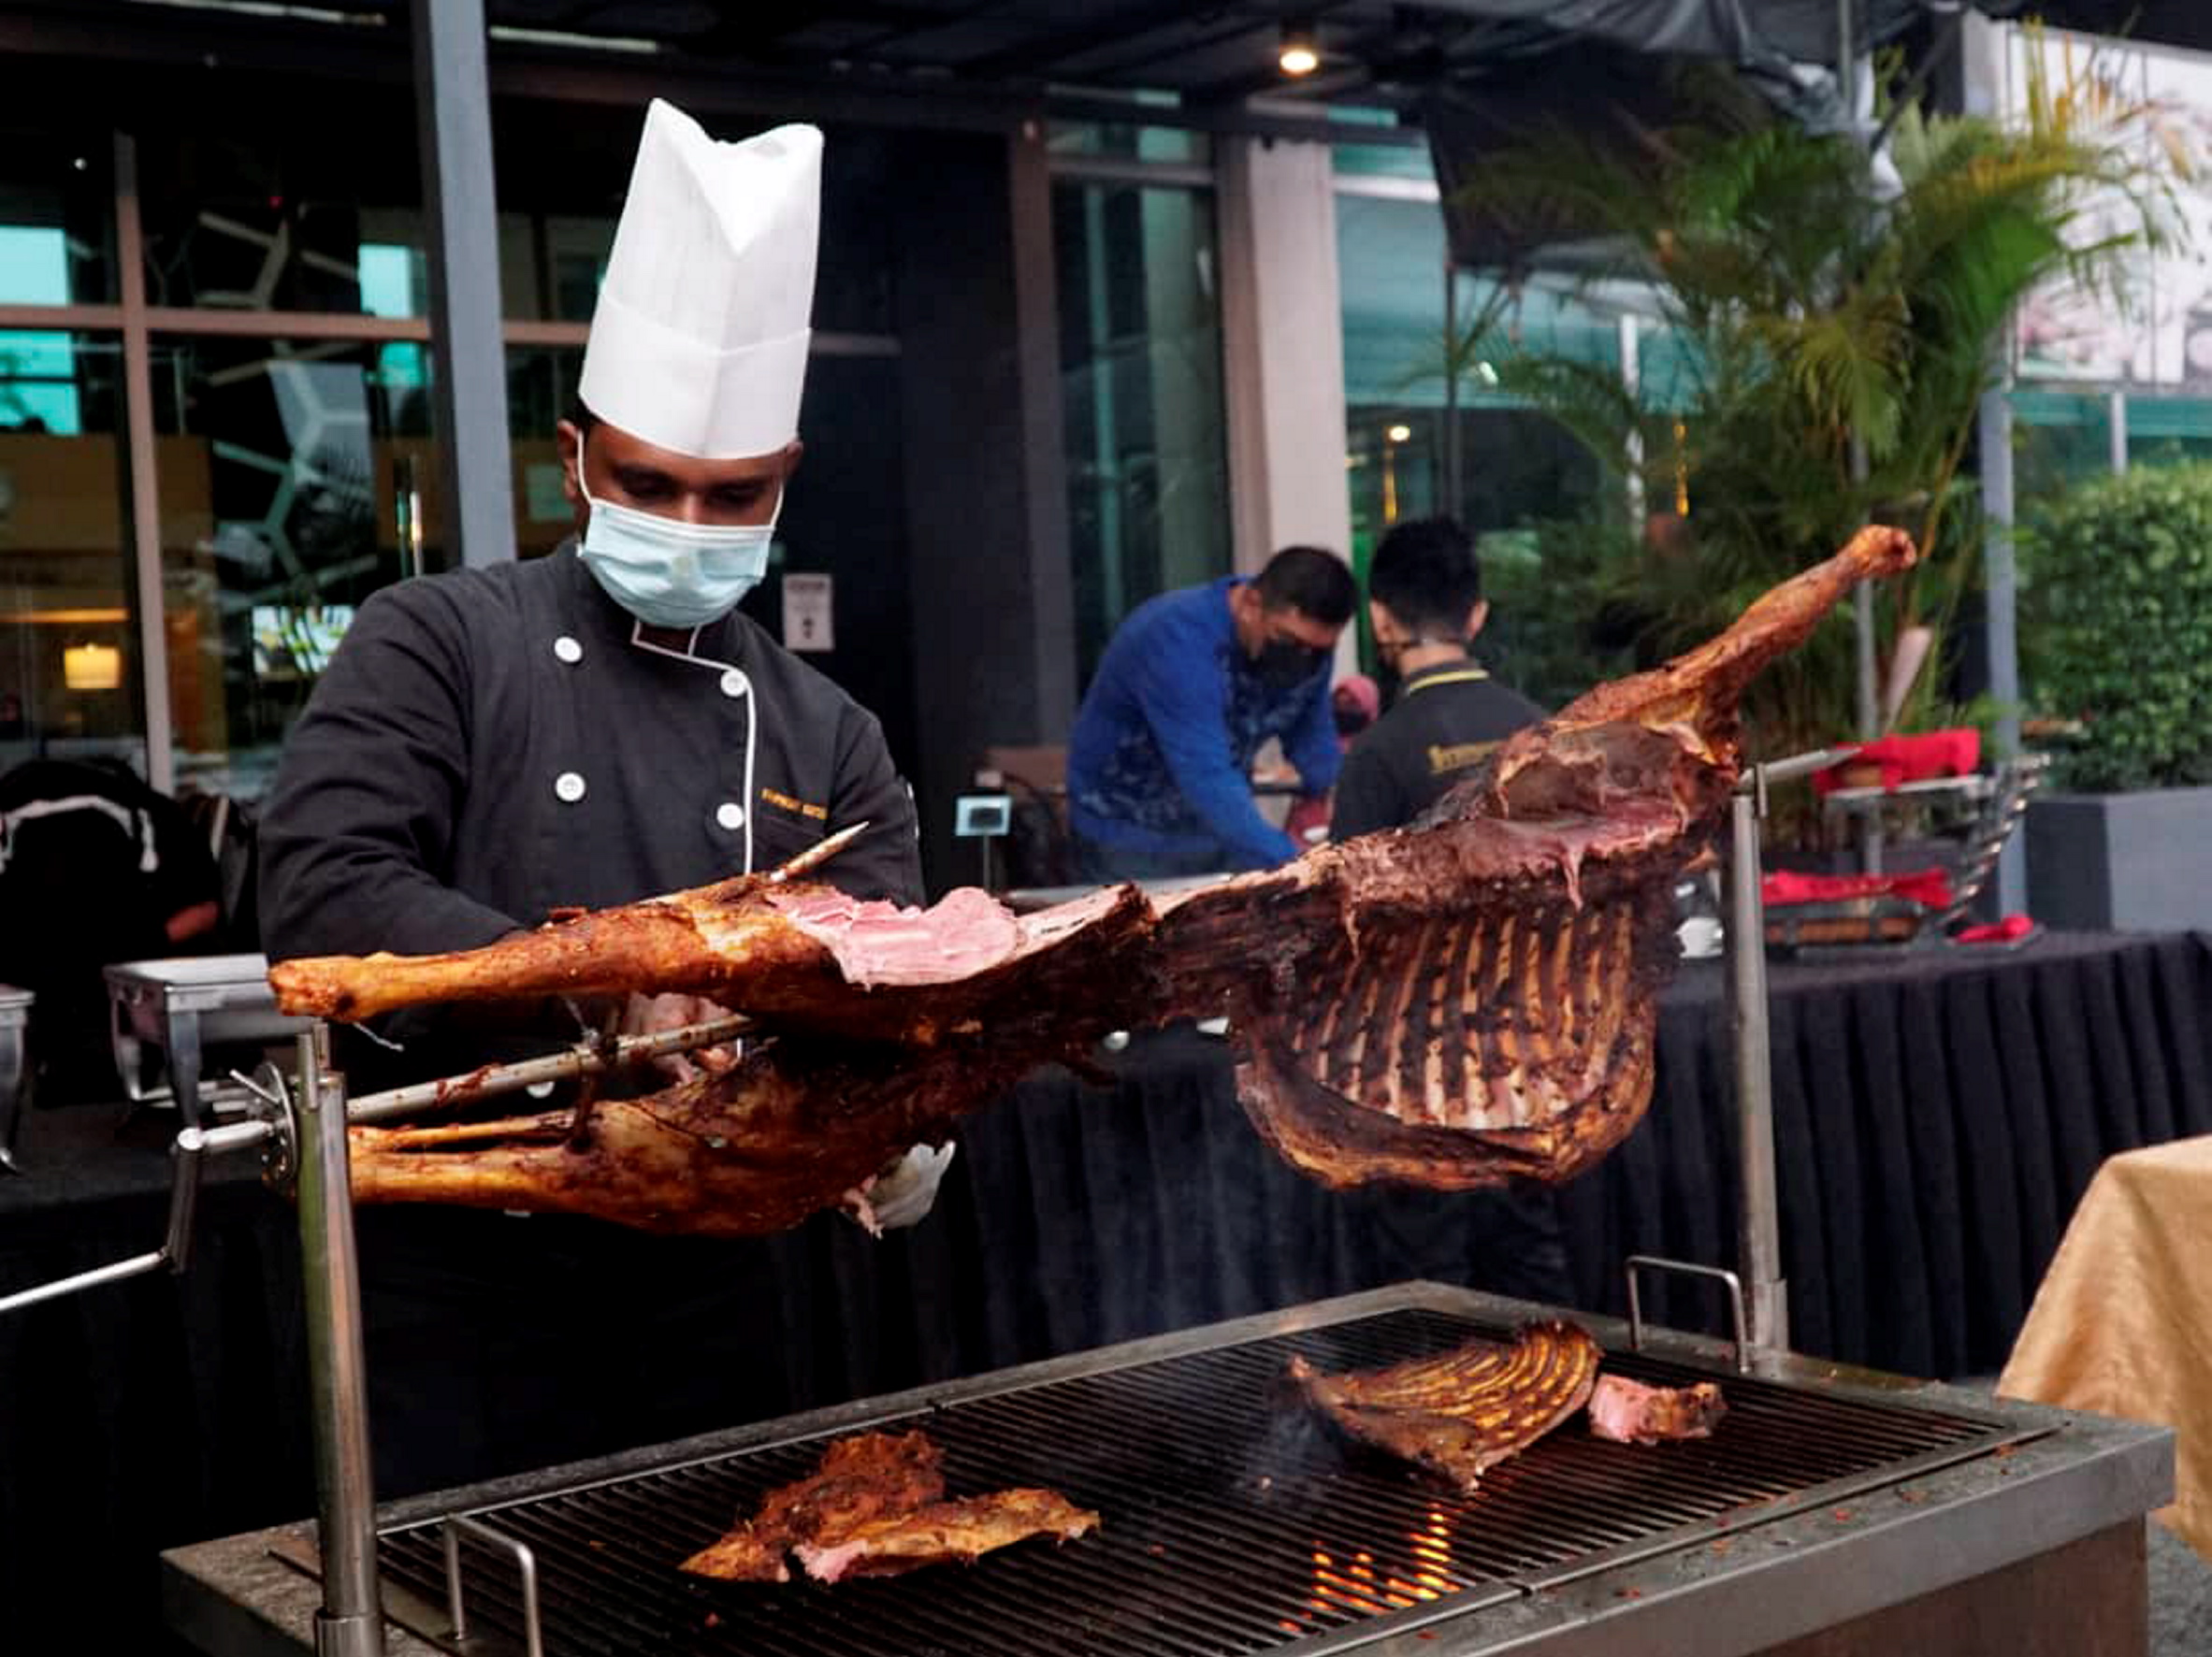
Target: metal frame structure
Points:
x,y
1748,1581
1764,1295
300,1127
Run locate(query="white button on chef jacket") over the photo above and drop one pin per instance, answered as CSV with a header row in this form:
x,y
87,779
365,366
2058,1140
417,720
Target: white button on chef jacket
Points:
x,y
567,650
569,787
730,814
733,683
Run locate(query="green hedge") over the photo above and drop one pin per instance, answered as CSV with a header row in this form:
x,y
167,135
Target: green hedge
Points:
x,y
2119,614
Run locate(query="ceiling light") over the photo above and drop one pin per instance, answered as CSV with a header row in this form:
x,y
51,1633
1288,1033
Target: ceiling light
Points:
x,y
1400,434
1300,52
92,667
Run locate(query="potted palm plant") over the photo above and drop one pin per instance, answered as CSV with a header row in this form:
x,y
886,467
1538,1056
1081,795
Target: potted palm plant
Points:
x,y
1831,327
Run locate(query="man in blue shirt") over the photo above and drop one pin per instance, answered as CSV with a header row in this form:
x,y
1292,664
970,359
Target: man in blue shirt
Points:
x,y
1159,767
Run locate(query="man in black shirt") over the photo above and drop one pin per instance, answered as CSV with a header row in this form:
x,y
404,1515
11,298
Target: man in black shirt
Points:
x,y
1424,599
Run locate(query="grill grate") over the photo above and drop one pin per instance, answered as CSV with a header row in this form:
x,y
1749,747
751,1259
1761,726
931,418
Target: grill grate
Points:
x,y
1233,1520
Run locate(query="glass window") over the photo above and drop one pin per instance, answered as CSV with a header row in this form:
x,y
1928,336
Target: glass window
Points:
x,y
2057,437
295,479
540,391
1129,141
1141,366
297,199
1514,465
2163,430
57,215
69,642
1374,158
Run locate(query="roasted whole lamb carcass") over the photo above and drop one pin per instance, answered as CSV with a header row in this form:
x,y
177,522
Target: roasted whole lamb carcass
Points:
x,y
1449,1004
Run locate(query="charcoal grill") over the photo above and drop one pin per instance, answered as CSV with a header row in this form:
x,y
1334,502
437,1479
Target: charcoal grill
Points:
x,y
1235,1521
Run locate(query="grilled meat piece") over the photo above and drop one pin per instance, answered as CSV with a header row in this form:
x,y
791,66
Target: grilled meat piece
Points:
x,y
943,1532
876,1507
1450,1005
1464,1411
1629,1412
861,1479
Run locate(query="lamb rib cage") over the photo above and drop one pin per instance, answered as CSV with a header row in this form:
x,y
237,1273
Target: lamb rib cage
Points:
x,y
1527,1032
1426,1020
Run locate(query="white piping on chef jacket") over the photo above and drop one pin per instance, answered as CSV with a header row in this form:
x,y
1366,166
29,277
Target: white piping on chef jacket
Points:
x,y
637,637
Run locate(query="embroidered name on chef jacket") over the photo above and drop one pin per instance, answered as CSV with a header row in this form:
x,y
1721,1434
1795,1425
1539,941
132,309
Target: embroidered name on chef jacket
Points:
x,y
820,814
1457,757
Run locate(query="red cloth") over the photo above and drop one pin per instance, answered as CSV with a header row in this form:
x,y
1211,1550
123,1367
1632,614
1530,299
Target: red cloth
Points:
x,y
2000,931
1910,759
1929,886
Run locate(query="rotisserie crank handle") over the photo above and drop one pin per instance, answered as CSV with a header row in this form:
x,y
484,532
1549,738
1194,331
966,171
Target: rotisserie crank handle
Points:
x,y
193,1145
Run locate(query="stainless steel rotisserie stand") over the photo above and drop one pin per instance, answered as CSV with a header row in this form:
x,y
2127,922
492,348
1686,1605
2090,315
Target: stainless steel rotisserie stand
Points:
x,y
349,1620
299,1128
2037,1489
1760,1224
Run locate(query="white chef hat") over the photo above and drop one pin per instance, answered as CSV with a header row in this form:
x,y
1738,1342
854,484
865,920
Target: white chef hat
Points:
x,y
699,343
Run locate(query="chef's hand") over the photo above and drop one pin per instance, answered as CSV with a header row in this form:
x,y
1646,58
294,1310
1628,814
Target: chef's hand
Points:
x,y
649,1015
906,1188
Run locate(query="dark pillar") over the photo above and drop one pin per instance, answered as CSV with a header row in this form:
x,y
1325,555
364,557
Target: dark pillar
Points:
x,y
453,108
985,487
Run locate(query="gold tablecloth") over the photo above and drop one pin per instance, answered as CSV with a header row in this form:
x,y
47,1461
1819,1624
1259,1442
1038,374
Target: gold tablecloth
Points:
x,y
2122,1323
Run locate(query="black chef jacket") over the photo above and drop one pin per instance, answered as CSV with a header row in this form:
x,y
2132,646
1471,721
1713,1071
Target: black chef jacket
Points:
x,y
493,745
1445,719
489,745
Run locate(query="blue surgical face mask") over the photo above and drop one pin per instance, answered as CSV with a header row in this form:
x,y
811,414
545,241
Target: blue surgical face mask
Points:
x,y
669,573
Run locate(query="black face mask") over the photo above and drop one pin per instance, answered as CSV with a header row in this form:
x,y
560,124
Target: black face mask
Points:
x,y
1283,663
1389,678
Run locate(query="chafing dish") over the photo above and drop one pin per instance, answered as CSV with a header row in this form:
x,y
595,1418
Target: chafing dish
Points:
x,y
167,1014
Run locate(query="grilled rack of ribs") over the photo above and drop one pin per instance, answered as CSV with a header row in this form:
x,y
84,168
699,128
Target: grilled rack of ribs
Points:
x,y
876,1507
1461,1413
1449,1004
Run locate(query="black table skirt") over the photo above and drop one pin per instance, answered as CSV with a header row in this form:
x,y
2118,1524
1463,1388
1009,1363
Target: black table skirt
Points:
x,y
1937,1119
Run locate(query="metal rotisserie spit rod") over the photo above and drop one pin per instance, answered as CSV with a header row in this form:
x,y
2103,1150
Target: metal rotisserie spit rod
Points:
x,y
585,1058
